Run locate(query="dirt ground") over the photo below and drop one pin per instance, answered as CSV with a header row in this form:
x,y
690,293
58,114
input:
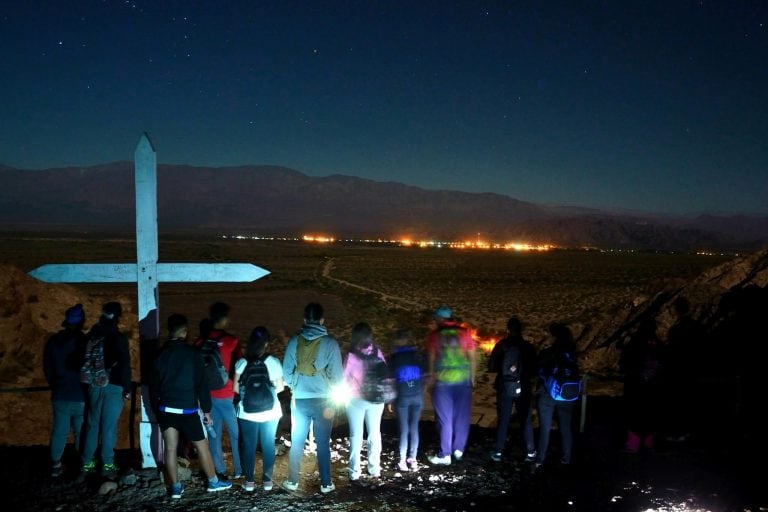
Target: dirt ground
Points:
x,y
700,475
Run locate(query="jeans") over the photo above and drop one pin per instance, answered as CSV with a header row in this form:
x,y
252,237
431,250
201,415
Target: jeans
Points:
x,y
453,409
408,416
104,408
66,416
504,404
253,434
303,412
223,413
359,412
548,407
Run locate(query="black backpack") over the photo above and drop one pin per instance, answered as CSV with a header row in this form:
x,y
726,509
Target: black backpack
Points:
x,y
510,374
378,386
215,371
564,381
256,387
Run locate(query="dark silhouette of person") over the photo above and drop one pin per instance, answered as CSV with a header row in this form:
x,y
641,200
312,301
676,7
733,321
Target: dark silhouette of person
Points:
x,y
641,363
685,356
504,400
548,407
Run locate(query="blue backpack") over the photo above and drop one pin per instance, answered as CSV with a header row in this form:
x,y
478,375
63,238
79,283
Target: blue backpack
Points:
x,y
564,381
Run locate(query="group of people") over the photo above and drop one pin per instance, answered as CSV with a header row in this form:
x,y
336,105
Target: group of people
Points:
x,y
190,406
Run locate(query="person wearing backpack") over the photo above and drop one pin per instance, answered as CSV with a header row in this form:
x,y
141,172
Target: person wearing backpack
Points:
x,y
364,373
312,368
179,391
218,366
641,362
409,367
62,360
105,397
452,363
513,360
258,380
552,399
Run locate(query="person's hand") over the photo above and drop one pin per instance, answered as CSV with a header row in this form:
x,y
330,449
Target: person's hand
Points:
x,y
389,408
207,418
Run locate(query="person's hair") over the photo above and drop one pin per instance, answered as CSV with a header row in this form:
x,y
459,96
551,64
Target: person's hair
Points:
x,y
682,306
218,311
205,327
563,337
361,337
257,343
313,313
176,323
403,337
514,326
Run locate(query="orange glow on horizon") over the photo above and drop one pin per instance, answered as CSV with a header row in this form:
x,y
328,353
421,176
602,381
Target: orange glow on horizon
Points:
x,y
318,239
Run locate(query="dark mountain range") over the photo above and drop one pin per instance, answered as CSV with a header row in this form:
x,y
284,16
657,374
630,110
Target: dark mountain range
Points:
x,y
279,201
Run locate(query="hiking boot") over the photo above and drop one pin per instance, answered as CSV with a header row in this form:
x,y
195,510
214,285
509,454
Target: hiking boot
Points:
x,y
412,464
57,470
402,466
531,456
458,455
268,485
249,486
496,456
290,486
439,461
176,491
219,486
89,467
109,469
325,489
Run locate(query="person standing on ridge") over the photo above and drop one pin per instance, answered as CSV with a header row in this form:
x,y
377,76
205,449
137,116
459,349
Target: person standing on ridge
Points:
x,y
179,389
513,360
312,368
223,410
62,360
106,400
452,366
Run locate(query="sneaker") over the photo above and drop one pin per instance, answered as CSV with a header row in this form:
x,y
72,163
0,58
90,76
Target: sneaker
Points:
x,y
325,489
458,455
402,466
57,470
219,486
176,491
531,456
290,486
89,467
440,461
268,485
249,486
413,464
354,477
109,468
235,476
496,456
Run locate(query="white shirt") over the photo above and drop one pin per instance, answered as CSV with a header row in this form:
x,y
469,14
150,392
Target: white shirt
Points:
x,y
275,371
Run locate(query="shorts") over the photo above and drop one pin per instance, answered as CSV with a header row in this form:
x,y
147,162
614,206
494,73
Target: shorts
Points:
x,y
190,425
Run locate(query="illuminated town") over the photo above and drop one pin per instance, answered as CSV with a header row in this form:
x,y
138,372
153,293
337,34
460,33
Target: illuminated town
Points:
x,y
407,242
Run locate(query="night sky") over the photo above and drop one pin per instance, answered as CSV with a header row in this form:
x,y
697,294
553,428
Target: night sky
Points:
x,y
650,105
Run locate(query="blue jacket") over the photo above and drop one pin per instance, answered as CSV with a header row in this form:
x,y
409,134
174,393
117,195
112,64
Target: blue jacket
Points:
x,y
62,359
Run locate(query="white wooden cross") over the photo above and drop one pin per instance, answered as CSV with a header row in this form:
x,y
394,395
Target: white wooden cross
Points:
x,y
147,273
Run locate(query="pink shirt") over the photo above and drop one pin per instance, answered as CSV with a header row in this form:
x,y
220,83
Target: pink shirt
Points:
x,y
354,370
